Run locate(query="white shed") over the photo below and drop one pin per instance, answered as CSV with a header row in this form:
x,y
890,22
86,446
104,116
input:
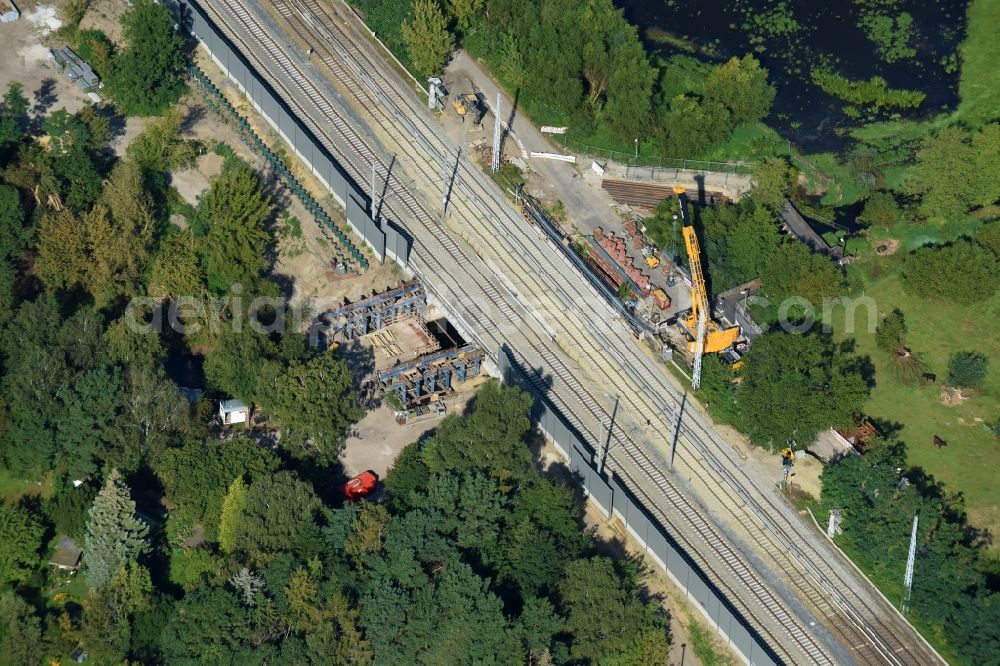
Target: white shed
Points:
x,y
8,11
233,411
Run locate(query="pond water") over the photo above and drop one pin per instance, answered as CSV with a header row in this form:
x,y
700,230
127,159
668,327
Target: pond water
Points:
x,y
789,37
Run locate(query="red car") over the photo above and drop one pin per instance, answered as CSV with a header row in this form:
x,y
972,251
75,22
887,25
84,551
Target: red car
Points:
x,y
361,485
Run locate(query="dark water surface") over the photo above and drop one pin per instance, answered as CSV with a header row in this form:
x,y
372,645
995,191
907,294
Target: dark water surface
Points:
x,y
828,32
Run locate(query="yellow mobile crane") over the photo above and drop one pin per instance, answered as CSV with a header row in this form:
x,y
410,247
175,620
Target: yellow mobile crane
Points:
x,y
708,335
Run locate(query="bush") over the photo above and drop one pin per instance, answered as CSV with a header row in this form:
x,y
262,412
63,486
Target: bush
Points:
x,y
881,209
962,272
967,369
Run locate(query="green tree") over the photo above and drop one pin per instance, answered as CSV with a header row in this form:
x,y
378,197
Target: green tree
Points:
x,y
491,439
120,232
115,536
235,244
967,369
427,38
13,117
891,332
881,209
234,365
465,12
147,76
231,515
740,242
590,587
279,509
630,86
794,386
312,399
209,624
62,254
741,86
20,631
13,232
161,147
130,591
968,161
20,540
794,271
176,267
962,272
87,432
989,237
691,125
771,182
197,474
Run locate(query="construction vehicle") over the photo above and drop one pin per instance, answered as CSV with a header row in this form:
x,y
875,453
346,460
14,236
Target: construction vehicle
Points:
x,y
361,485
470,105
661,299
787,457
714,338
649,253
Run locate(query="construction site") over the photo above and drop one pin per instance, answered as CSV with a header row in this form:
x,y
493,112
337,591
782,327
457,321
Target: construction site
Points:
x,y
419,360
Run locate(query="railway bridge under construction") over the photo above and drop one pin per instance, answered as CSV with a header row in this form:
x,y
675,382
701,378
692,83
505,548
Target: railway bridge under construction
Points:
x,y
769,583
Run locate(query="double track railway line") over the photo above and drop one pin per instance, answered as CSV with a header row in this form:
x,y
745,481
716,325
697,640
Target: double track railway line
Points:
x,y
483,279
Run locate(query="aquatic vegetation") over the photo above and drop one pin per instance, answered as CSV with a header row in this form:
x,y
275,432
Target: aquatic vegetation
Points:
x,y
873,93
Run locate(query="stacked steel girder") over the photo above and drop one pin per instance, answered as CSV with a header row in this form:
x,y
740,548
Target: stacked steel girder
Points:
x,y
378,311
415,382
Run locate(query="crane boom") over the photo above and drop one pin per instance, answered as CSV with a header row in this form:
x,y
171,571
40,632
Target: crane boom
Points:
x,y
699,294
708,336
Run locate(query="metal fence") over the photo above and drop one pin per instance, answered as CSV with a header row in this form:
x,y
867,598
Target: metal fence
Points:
x,y
385,240
631,159
609,493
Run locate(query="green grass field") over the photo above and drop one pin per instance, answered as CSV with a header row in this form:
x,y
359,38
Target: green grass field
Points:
x,y
13,489
979,86
936,331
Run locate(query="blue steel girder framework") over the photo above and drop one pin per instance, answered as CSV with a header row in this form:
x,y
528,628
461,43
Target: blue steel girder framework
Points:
x,y
378,311
433,373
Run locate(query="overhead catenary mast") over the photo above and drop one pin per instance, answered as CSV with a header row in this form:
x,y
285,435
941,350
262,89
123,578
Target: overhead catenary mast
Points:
x,y
496,136
908,576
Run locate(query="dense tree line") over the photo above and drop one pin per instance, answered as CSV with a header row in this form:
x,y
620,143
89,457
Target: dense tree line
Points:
x,y
581,64
954,586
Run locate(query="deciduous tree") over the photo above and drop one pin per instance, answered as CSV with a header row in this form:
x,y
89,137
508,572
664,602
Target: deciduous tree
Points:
x,y
231,515
794,271
590,587
313,399
970,163
962,272
20,631
881,209
147,76
427,38
235,209
795,385
741,86
891,332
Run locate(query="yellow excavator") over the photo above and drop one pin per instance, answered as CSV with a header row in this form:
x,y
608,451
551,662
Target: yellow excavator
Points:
x,y
469,104
716,339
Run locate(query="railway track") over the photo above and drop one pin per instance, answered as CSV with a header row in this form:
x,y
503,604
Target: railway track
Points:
x,y
879,650
434,243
